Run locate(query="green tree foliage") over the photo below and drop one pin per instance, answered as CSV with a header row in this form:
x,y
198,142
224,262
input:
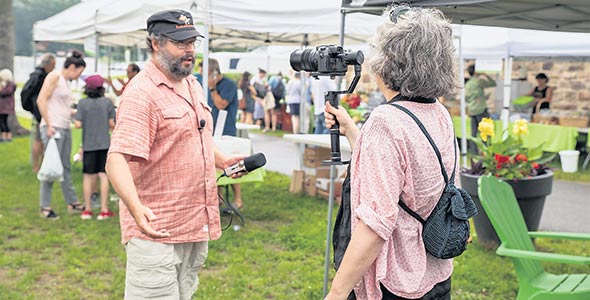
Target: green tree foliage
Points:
x,y
26,13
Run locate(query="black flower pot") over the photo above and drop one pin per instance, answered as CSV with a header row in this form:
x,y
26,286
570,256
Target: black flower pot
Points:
x,y
530,193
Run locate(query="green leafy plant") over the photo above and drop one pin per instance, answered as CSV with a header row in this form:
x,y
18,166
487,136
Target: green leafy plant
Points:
x,y
505,156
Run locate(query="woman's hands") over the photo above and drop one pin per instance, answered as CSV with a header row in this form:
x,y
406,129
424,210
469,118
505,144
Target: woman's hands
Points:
x,y
331,114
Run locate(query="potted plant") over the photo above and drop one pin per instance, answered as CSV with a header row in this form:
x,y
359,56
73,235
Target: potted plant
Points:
x,y
524,169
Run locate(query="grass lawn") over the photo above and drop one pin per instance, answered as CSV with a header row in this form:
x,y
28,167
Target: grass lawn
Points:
x,y
278,254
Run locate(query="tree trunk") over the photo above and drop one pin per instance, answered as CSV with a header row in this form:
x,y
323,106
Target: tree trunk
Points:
x,y
7,34
7,55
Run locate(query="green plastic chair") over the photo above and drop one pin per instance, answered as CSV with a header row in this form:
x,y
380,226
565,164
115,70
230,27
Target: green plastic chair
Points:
x,y
499,203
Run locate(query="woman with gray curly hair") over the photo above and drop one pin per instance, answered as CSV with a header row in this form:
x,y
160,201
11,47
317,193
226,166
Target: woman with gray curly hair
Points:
x,y
413,65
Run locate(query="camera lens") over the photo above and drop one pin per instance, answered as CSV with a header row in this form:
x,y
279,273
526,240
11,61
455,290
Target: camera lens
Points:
x,y
304,60
354,58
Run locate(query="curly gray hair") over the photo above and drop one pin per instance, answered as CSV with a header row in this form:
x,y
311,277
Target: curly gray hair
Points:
x,y
415,55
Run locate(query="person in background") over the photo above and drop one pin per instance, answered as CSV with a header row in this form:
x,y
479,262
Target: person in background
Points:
x,y
55,101
132,70
96,116
294,100
264,94
247,92
542,93
277,88
475,97
318,89
7,89
223,95
31,90
386,257
162,163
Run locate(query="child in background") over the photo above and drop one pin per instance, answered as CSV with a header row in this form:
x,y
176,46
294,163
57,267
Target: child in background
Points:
x,y
96,117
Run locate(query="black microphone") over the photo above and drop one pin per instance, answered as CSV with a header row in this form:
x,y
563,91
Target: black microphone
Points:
x,y
249,164
201,124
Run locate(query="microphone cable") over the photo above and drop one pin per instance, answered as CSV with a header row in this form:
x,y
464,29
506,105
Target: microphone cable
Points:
x,y
232,209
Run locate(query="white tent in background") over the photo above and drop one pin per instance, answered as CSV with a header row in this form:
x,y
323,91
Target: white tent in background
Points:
x,y
231,22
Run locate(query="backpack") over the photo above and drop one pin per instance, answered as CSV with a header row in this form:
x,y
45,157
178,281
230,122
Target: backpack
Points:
x,y
279,91
446,230
30,92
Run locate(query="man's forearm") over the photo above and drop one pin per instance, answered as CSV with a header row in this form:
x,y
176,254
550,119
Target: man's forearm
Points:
x,y
218,101
119,173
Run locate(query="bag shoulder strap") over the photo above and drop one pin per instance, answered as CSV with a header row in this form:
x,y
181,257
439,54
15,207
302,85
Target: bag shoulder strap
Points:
x,y
401,203
438,155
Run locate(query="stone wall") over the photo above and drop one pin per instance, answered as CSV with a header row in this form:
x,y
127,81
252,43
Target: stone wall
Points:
x,y
570,80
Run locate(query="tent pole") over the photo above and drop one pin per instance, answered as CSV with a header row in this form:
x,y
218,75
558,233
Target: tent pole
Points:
x,y
460,73
333,174
303,102
97,53
341,38
507,91
34,55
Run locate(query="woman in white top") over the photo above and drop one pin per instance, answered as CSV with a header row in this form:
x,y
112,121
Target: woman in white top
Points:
x,y
294,100
55,101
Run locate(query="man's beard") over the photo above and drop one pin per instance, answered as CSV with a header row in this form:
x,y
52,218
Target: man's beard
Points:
x,y
174,65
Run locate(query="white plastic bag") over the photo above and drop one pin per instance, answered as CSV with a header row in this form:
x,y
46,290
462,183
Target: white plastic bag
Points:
x,y
51,168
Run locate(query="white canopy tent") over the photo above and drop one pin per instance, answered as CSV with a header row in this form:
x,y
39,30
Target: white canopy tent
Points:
x,y
231,22
240,23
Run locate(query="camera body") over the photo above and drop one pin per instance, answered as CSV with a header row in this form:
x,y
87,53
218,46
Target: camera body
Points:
x,y
325,60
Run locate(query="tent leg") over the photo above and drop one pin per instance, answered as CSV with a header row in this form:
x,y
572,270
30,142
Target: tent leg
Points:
x,y
507,91
329,229
462,105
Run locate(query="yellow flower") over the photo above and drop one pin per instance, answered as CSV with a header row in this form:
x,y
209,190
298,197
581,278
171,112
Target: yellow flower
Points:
x,y
520,128
486,128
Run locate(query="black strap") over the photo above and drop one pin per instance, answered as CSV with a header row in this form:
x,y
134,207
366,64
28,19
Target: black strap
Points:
x,y
401,203
442,167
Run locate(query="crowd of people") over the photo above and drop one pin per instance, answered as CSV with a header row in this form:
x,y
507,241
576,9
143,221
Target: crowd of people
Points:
x,y
157,150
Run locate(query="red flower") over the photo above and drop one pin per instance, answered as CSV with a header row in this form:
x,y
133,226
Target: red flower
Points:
x,y
535,165
521,157
501,160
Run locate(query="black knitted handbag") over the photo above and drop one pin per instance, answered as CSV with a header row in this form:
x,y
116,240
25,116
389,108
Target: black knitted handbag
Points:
x,y
446,231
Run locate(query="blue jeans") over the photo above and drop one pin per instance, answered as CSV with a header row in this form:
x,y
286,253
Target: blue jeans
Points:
x,y
320,125
64,146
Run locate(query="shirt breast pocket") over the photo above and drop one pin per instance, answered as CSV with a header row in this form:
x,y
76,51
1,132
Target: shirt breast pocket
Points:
x,y
176,122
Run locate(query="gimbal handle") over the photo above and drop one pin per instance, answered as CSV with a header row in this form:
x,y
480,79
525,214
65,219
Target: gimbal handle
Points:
x,y
332,97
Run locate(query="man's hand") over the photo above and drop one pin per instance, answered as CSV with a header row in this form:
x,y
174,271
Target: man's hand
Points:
x,y
232,161
213,80
143,216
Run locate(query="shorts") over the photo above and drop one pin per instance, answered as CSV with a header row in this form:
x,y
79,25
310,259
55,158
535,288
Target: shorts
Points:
x,y
163,271
294,109
35,133
94,161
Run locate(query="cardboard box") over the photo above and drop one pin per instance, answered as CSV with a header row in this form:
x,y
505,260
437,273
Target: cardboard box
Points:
x,y
569,121
297,181
322,172
323,188
313,156
309,185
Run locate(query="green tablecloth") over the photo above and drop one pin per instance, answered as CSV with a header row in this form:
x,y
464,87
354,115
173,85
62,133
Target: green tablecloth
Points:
x,y
254,176
554,138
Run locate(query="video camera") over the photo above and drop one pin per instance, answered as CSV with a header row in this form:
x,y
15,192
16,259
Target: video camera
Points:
x,y
325,60
330,60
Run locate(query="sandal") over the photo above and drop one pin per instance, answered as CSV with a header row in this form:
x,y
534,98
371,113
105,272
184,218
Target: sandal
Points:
x,y
76,208
238,207
48,214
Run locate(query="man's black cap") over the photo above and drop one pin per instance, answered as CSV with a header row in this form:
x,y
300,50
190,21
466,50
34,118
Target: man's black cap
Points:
x,y
176,24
